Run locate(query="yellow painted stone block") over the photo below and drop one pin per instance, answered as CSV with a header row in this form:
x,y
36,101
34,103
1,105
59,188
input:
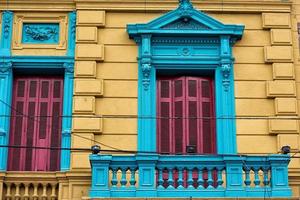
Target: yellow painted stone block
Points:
x,y
88,87
78,142
286,106
86,35
121,53
250,89
116,106
84,104
89,52
291,140
247,55
253,72
80,190
281,37
87,124
114,36
80,160
119,126
85,69
278,126
283,71
252,21
276,20
255,38
257,144
124,71
278,54
121,19
124,142
90,18
255,107
120,88
252,127
281,88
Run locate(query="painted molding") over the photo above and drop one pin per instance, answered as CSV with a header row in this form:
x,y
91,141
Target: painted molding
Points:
x,y
203,45
72,34
205,5
67,111
40,31
34,33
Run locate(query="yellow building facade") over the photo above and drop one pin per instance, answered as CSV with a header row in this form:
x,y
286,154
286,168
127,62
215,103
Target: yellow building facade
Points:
x,y
105,88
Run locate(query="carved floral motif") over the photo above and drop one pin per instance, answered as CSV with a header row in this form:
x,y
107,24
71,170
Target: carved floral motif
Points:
x,y
226,68
41,33
69,67
7,18
5,67
73,24
146,70
185,7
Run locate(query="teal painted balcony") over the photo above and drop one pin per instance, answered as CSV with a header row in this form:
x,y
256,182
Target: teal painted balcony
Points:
x,y
189,176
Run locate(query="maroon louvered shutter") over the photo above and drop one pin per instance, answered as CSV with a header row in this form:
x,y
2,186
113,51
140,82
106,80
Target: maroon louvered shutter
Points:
x,y
42,97
193,133
56,124
17,125
208,122
179,110
31,122
164,109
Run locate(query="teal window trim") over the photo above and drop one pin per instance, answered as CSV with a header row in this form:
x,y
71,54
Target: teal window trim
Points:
x,y
170,43
9,63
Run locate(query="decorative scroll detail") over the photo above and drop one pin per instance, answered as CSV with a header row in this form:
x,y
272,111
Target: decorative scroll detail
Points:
x,y
7,18
73,24
226,68
5,67
66,133
146,70
69,67
40,33
185,7
2,132
186,23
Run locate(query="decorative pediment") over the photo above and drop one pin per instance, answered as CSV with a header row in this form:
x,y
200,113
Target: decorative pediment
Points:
x,y
185,17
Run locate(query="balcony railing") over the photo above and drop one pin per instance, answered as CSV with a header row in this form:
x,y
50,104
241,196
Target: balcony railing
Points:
x,y
30,185
189,176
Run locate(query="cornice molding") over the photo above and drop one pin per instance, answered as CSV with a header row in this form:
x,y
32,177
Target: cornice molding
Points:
x,y
204,5
150,5
37,5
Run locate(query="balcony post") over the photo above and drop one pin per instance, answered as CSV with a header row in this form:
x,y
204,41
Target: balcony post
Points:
x,y
234,176
147,180
100,175
279,175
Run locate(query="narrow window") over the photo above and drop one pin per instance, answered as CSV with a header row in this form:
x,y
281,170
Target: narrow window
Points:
x,y
36,122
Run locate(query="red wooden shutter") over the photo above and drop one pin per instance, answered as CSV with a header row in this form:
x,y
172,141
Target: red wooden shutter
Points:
x,y
189,104
36,97
164,122
208,122
55,139
179,126
17,125
194,133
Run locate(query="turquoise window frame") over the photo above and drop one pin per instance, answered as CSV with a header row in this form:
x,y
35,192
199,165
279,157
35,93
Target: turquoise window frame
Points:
x,y
164,45
9,63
